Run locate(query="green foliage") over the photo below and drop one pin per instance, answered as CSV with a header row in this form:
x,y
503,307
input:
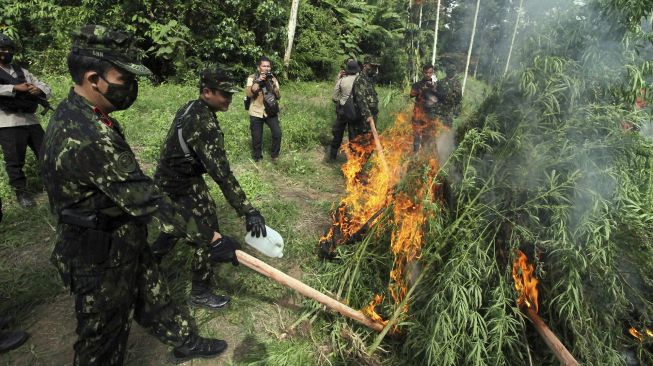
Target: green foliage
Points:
x,y
180,37
542,166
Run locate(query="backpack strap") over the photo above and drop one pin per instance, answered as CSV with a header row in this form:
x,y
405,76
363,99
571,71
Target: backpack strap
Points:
x,y
182,142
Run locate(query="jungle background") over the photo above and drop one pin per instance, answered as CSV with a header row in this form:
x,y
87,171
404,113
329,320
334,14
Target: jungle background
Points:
x,y
553,157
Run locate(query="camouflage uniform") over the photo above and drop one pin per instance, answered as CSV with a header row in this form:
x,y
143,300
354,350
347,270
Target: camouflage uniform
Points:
x,y
103,201
449,92
181,177
367,104
424,113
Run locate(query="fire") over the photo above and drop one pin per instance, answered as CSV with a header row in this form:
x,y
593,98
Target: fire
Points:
x,y
369,190
525,281
370,310
372,187
640,336
636,334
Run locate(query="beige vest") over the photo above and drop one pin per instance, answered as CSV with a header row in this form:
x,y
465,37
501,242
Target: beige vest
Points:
x,y
256,107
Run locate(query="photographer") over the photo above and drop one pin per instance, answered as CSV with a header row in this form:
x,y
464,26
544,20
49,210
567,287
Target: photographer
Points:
x,y
342,95
263,90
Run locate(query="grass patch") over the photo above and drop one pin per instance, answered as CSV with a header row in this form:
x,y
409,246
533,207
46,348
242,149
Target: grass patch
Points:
x,y
295,194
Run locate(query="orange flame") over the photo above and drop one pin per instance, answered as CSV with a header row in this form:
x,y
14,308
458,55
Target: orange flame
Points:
x,y
525,281
370,310
369,190
371,187
640,336
636,334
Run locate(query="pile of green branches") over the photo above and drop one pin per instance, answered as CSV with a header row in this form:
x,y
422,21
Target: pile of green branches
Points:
x,y
543,166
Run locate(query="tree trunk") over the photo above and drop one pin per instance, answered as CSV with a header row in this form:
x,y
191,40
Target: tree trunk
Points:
x,y
417,49
292,24
471,45
435,33
514,33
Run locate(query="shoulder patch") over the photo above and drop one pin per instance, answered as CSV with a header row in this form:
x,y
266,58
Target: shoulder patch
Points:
x,y
126,162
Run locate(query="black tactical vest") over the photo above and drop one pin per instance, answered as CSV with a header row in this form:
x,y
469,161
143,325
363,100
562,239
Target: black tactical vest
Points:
x,y
22,102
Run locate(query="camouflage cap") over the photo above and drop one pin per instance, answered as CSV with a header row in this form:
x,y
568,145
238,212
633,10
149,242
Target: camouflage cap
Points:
x,y
5,41
217,78
368,59
110,45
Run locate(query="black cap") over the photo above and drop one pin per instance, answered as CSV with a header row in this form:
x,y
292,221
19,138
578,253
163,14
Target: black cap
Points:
x,y
7,42
352,67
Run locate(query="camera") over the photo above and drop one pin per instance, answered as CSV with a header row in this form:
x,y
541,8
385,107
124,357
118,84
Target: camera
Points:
x,y
268,78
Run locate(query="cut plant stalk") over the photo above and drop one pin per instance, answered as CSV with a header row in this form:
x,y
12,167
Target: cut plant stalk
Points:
x,y
284,279
559,350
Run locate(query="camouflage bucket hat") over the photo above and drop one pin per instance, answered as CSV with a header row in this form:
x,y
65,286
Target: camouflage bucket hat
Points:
x,y
219,79
106,44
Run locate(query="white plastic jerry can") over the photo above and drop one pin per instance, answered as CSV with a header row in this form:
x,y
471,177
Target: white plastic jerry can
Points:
x,y
270,245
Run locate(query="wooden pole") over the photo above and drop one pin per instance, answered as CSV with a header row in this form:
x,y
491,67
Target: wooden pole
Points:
x,y
282,278
551,340
377,143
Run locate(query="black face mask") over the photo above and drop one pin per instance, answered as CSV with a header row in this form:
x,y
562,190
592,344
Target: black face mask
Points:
x,y
6,57
121,96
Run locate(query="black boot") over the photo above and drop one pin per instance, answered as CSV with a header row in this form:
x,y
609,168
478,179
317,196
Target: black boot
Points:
x,y
12,340
4,322
198,347
209,300
331,155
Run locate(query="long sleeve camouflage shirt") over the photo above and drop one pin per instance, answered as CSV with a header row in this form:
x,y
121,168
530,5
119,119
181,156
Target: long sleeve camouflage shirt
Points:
x,y
176,174
365,97
88,167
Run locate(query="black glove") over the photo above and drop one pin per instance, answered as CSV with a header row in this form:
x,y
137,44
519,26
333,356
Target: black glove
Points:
x,y
163,245
255,223
223,250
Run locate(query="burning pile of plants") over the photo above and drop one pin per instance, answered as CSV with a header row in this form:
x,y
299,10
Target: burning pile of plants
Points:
x,y
544,167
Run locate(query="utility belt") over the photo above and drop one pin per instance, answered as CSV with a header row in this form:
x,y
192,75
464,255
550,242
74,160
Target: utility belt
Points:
x,y
96,221
88,244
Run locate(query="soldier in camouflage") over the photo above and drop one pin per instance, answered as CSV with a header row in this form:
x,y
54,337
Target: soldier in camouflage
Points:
x,y
195,146
365,98
103,201
367,104
426,108
449,93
